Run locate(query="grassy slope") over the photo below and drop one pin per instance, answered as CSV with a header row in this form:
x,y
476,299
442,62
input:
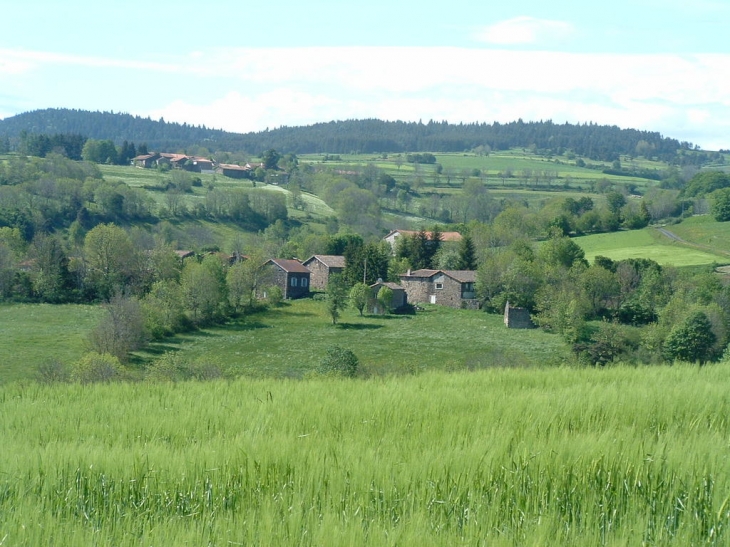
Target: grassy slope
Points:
x,y
31,334
566,456
646,243
291,340
704,230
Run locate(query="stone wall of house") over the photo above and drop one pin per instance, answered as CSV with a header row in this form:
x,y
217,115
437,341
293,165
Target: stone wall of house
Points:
x,y
281,279
319,276
418,289
450,294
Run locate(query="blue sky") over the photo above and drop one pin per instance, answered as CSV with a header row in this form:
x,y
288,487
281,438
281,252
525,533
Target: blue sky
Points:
x,y
656,65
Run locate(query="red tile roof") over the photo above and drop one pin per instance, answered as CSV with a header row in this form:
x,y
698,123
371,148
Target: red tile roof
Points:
x,y
445,236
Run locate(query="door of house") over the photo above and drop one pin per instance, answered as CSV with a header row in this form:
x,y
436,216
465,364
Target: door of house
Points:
x,y
433,299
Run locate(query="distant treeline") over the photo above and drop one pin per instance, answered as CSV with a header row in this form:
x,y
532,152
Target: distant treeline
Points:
x,y
597,142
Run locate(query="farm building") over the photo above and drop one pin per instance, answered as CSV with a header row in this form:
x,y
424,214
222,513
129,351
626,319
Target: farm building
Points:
x,y
393,236
517,318
399,296
453,288
290,275
322,267
233,171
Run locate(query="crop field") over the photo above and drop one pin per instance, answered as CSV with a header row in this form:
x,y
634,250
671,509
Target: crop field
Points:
x,y
501,457
647,243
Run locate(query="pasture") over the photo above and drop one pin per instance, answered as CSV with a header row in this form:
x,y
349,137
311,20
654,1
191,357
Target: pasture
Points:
x,y
289,341
34,334
503,457
647,243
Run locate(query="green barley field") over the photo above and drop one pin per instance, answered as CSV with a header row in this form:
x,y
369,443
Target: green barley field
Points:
x,y
500,457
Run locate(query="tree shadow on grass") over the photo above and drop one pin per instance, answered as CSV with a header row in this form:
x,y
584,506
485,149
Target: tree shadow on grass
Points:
x,y
390,317
243,325
358,326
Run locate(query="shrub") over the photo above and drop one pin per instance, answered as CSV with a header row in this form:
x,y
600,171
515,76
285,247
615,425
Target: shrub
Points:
x,y
274,295
97,367
52,371
339,361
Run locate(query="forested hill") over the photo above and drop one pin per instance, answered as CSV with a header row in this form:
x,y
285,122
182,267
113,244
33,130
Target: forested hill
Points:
x,y
593,141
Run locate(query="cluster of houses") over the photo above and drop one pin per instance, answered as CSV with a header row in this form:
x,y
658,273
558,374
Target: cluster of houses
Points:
x,y
453,288
194,164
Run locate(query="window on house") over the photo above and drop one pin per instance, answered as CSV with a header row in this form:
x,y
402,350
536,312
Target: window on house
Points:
x,y
304,281
293,281
439,286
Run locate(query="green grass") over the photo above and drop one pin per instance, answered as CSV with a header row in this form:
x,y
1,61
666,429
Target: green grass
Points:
x,y
290,341
31,334
646,243
705,231
575,457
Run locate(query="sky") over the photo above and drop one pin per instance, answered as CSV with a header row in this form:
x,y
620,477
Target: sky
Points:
x,y
658,65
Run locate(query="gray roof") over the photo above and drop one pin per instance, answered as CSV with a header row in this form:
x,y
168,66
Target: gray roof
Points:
x,y
331,261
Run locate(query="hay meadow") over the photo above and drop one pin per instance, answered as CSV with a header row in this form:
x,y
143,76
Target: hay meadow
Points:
x,y
533,456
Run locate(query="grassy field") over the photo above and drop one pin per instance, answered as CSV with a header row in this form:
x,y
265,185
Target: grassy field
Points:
x,y
647,243
290,341
517,161
704,230
552,456
31,334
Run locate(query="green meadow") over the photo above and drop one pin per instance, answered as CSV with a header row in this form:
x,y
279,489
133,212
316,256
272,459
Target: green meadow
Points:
x,y
289,341
648,243
33,334
500,457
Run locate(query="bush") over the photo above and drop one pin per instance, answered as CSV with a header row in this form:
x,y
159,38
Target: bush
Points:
x,y
274,295
174,368
96,368
339,361
52,371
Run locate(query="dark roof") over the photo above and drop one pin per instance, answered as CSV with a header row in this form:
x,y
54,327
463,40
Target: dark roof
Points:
x,y
290,266
331,261
465,276
389,284
462,276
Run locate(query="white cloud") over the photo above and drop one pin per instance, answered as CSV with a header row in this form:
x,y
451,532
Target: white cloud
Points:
x,y
251,89
524,30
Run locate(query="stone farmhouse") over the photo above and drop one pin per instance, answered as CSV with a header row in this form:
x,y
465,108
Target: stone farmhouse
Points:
x,y
393,236
454,288
290,275
322,267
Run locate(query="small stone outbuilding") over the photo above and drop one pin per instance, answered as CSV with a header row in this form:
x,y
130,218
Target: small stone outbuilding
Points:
x,y
517,318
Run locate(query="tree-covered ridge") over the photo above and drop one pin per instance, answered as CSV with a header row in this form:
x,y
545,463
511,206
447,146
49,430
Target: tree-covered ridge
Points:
x,y
599,142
